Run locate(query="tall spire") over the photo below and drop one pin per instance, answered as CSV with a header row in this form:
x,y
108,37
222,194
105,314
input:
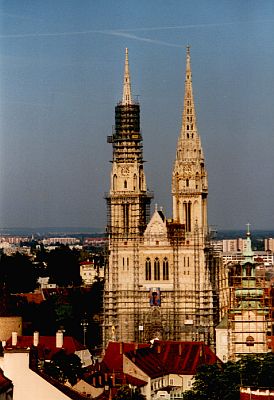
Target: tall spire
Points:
x,y
189,127
127,87
189,180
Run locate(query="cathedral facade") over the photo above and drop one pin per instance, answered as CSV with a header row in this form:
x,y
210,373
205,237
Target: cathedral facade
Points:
x,y
161,276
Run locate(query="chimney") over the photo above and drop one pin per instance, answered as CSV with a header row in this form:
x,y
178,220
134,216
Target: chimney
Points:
x,y
59,339
13,338
35,338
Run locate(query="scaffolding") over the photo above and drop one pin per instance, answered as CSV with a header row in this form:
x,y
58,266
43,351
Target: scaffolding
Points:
x,y
250,320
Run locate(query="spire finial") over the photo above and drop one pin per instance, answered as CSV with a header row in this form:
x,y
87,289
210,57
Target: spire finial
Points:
x,y
127,87
188,67
188,50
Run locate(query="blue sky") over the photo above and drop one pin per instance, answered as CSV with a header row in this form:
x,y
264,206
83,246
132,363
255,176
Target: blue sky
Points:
x,y
61,73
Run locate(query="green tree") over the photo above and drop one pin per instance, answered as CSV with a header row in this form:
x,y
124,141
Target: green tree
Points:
x,y
17,273
63,266
64,367
126,393
215,382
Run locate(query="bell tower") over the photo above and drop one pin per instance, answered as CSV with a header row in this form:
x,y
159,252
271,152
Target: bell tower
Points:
x,y
189,178
128,199
128,204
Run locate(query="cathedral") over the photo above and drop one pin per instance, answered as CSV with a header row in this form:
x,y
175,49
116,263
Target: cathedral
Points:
x,y
161,276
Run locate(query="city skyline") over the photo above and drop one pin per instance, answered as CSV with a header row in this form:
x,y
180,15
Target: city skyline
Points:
x,y
61,77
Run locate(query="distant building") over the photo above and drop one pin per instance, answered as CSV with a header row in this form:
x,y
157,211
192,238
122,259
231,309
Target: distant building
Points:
x,y
234,245
60,240
89,272
269,244
247,393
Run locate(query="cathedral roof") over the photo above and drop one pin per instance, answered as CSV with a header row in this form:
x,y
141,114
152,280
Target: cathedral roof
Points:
x,y
157,224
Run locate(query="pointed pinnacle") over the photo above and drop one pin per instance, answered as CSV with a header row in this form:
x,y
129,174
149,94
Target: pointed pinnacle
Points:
x,y
127,87
188,67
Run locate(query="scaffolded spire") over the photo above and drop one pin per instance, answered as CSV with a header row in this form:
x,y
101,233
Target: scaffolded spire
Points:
x,y
127,87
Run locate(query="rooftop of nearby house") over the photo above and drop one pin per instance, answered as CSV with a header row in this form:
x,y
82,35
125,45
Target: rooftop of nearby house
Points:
x,y
168,357
5,383
113,359
46,345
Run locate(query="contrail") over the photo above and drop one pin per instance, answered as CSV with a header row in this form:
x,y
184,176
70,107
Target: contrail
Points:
x,y
140,38
124,32
190,26
104,32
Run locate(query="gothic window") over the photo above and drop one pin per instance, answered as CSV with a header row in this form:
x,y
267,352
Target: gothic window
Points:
x,y
248,269
114,182
148,269
187,127
125,184
165,270
126,217
134,182
156,269
187,182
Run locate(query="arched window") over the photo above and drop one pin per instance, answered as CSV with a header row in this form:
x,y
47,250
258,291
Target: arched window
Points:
x,y
156,269
134,181
125,184
114,182
187,182
165,270
148,269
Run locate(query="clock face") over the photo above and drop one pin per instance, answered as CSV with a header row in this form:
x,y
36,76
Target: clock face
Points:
x,y
125,170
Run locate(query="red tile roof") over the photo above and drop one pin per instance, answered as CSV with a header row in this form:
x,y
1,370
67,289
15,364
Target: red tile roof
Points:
x,y
167,357
5,383
47,345
36,298
113,359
